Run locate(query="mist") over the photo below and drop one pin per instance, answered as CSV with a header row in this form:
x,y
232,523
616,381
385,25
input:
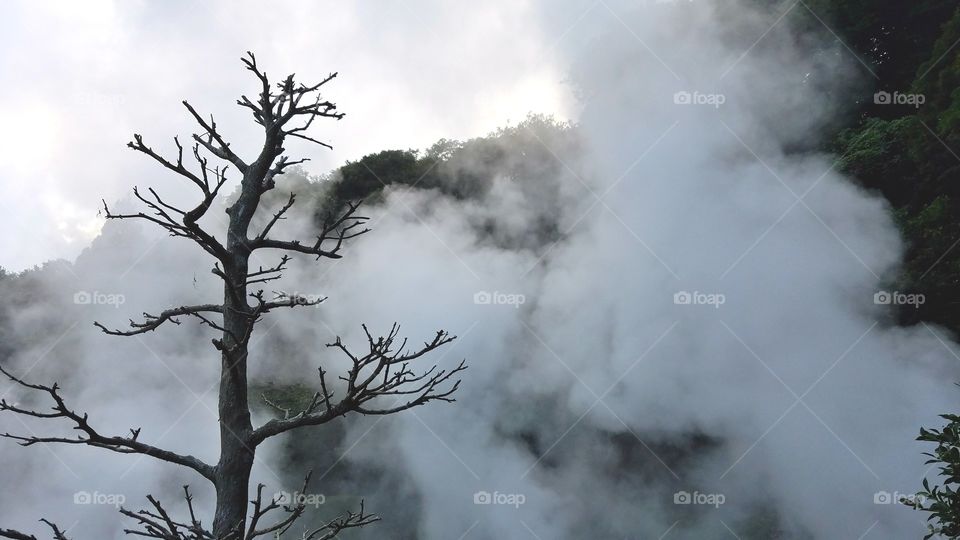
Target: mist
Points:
x,y
667,310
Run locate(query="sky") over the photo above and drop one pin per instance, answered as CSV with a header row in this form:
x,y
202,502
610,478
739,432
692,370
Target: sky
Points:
x,y
82,77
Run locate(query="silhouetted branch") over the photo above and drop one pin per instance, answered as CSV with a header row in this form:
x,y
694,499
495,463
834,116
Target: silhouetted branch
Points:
x,y
274,110
276,217
334,527
17,535
88,435
157,523
152,322
382,372
344,227
294,511
262,275
185,223
214,142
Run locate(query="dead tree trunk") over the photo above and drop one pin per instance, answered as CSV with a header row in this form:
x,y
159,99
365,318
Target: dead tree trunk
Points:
x,y
236,455
379,382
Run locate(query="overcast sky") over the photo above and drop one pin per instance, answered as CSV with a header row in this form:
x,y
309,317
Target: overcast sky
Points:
x,y
80,78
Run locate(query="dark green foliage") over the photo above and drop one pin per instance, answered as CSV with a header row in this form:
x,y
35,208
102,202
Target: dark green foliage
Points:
x,y
906,153
344,483
360,179
460,169
279,398
941,501
938,79
909,155
893,37
525,154
876,154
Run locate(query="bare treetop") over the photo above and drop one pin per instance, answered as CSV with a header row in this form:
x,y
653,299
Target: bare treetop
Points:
x,y
380,381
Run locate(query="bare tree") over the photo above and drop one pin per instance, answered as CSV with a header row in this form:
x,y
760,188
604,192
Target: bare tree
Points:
x,y
284,111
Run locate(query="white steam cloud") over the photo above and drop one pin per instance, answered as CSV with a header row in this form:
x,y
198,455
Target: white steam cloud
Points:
x,y
702,329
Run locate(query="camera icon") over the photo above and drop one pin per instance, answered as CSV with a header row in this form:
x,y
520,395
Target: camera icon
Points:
x,y
282,497
682,298
681,497
82,497
882,497
682,98
482,497
482,298
882,98
882,298
82,298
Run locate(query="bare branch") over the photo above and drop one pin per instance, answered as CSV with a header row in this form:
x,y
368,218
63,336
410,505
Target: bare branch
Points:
x,y
214,142
276,217
262,275
263,110
17,535
294,511
138,145
344,227
336,526
57,533
88,435
187,226
306,138
281,164
152,322
157,523
382,372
